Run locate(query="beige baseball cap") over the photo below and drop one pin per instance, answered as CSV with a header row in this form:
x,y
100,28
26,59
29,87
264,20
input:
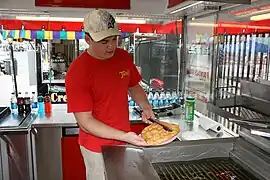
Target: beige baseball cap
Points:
x,y
100,24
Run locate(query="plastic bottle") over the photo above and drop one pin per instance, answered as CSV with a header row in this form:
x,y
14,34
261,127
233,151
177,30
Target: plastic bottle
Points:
x,y
41,108
13,104
27,103
20,104
47,103
150,97
190,107
168,96
34,102
174,97
162,98
156,99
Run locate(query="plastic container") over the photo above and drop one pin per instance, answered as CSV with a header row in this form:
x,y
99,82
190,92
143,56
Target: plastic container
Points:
x,y
27,103
13,104
20,103
34,102
41,108
190,108
47,103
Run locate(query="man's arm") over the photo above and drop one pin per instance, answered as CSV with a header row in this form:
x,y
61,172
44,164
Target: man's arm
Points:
x,y
138,95
90,125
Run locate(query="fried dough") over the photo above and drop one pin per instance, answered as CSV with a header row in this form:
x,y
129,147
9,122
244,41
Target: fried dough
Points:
x,y
155,134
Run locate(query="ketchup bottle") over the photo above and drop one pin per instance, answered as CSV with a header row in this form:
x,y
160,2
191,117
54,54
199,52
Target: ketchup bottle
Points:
x,y
47,103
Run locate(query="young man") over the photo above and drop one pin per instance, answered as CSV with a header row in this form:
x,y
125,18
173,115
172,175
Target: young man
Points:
x,y
97,85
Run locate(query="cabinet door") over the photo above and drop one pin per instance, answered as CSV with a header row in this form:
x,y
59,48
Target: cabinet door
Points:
x,y
33,153
16,156
4,167
72,160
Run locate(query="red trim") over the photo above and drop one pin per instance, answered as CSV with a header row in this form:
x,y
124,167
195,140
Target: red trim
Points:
x,y
228,27
72,160
104,4
77,26
173,3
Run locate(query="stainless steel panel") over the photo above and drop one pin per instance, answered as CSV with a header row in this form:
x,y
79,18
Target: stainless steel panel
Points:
x,y
17,155
231,1
127,163
260,142
228,102
33,152
189,151
4,158
11,121
252,159
255,90
71,131
261,132
15,123
259,105
49,153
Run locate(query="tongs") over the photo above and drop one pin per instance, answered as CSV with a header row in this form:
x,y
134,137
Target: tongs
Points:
x,y
155,121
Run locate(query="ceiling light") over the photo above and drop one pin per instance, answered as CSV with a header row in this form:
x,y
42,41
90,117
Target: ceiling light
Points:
x,y
65,19
260,17
186,7
203,24
47,18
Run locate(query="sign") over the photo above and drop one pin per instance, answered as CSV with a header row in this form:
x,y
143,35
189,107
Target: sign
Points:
x,y
104,4
173,3
58,97
251,10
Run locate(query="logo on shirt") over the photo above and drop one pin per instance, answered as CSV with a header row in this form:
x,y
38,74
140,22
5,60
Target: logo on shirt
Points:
x,y
123,74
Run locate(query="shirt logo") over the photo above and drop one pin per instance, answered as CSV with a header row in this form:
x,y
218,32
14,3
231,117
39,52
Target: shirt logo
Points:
x,y
123,74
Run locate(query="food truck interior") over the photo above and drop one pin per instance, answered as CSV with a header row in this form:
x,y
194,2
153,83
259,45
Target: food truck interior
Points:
x,y
214,52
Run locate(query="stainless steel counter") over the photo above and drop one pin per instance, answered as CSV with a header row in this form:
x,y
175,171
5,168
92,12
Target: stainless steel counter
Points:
x,y
60,118
16,123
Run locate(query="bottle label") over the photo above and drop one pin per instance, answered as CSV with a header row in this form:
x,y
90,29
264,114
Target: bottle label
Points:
x,y
34,105
190,111
13,105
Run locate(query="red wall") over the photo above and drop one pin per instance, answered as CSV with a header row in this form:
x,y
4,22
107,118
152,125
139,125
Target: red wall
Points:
x,y
105,4
172,3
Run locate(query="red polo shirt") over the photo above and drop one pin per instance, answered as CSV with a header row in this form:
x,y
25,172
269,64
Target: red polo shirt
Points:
x,y
101,86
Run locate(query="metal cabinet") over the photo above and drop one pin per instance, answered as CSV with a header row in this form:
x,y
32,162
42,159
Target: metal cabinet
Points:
x,y
17,160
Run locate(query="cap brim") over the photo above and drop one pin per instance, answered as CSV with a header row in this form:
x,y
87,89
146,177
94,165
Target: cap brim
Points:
x,y
104,34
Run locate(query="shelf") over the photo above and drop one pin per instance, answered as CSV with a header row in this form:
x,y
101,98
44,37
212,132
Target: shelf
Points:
x,y
54,81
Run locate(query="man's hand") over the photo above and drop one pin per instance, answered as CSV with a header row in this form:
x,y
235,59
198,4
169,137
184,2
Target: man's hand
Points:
x,y
148,114
134,139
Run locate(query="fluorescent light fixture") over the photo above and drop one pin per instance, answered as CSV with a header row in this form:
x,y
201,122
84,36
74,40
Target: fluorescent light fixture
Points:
x,y
186,7
65,19
203,24
260,17
47,18
130,21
